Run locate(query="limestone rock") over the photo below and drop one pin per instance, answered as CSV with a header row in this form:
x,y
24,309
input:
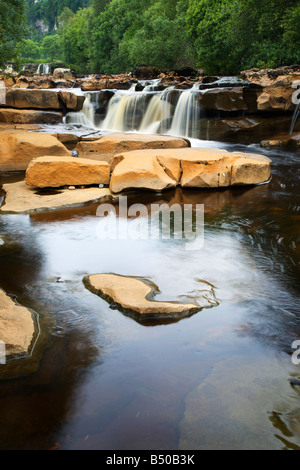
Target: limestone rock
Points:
x,y
56,172
111,144
135,296
16,326
18,148
29,116
20,198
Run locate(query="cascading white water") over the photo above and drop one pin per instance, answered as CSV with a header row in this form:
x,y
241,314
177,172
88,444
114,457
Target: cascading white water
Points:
x,y
173,112
125,111
43,68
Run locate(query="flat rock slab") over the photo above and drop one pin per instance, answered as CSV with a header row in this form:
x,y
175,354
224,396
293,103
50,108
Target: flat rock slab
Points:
x,y
16,326
19,147
134,296
21,198
111,144
56,172
188,167
29,116
43,99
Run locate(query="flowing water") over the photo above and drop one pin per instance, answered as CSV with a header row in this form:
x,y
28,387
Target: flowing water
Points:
x,y
99,379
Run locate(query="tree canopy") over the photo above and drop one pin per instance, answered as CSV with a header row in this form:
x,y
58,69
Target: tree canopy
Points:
x,y
96,36
12,28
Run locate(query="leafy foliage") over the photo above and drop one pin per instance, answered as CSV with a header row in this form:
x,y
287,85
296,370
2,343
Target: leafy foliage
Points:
x,y
221,36
12,28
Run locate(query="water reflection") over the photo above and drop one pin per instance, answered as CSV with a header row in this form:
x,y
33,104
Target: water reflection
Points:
x,y
105,381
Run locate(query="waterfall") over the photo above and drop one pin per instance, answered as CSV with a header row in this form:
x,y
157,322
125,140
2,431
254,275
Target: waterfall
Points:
x,y
125,111
43,68
151,111
86,117
187,114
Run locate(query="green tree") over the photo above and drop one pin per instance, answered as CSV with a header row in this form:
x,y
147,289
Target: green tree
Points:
x,y
158,38
31,50
13,29
75,45
231,35
52,47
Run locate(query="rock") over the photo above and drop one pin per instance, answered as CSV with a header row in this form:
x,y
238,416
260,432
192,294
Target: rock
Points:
x,y
216,169
144,72
93,84
189,167
55,172
109,145
43,99
71,101
20,198
267,77
16,326
19,147
63,73
29,116
134,296
288,141
223,99
142,170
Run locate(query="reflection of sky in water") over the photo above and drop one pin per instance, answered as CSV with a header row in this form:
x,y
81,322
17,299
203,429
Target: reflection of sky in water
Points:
x,y
73,248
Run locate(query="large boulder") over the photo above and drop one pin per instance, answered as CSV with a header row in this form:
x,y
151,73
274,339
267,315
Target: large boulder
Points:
x,y
223,99
190,167
19,147
16,326
56,172
43,99
109,145
63,73
29,116
143,170
132,295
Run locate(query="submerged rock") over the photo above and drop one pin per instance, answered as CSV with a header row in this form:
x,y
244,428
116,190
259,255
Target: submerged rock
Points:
x,y
55,172
134,296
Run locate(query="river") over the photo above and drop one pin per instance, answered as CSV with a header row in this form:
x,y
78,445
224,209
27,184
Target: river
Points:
x,y
220,379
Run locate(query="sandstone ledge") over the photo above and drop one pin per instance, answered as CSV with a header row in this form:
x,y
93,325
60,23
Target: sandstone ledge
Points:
x,y
188,167
18,147
21,199
16,326
135,297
